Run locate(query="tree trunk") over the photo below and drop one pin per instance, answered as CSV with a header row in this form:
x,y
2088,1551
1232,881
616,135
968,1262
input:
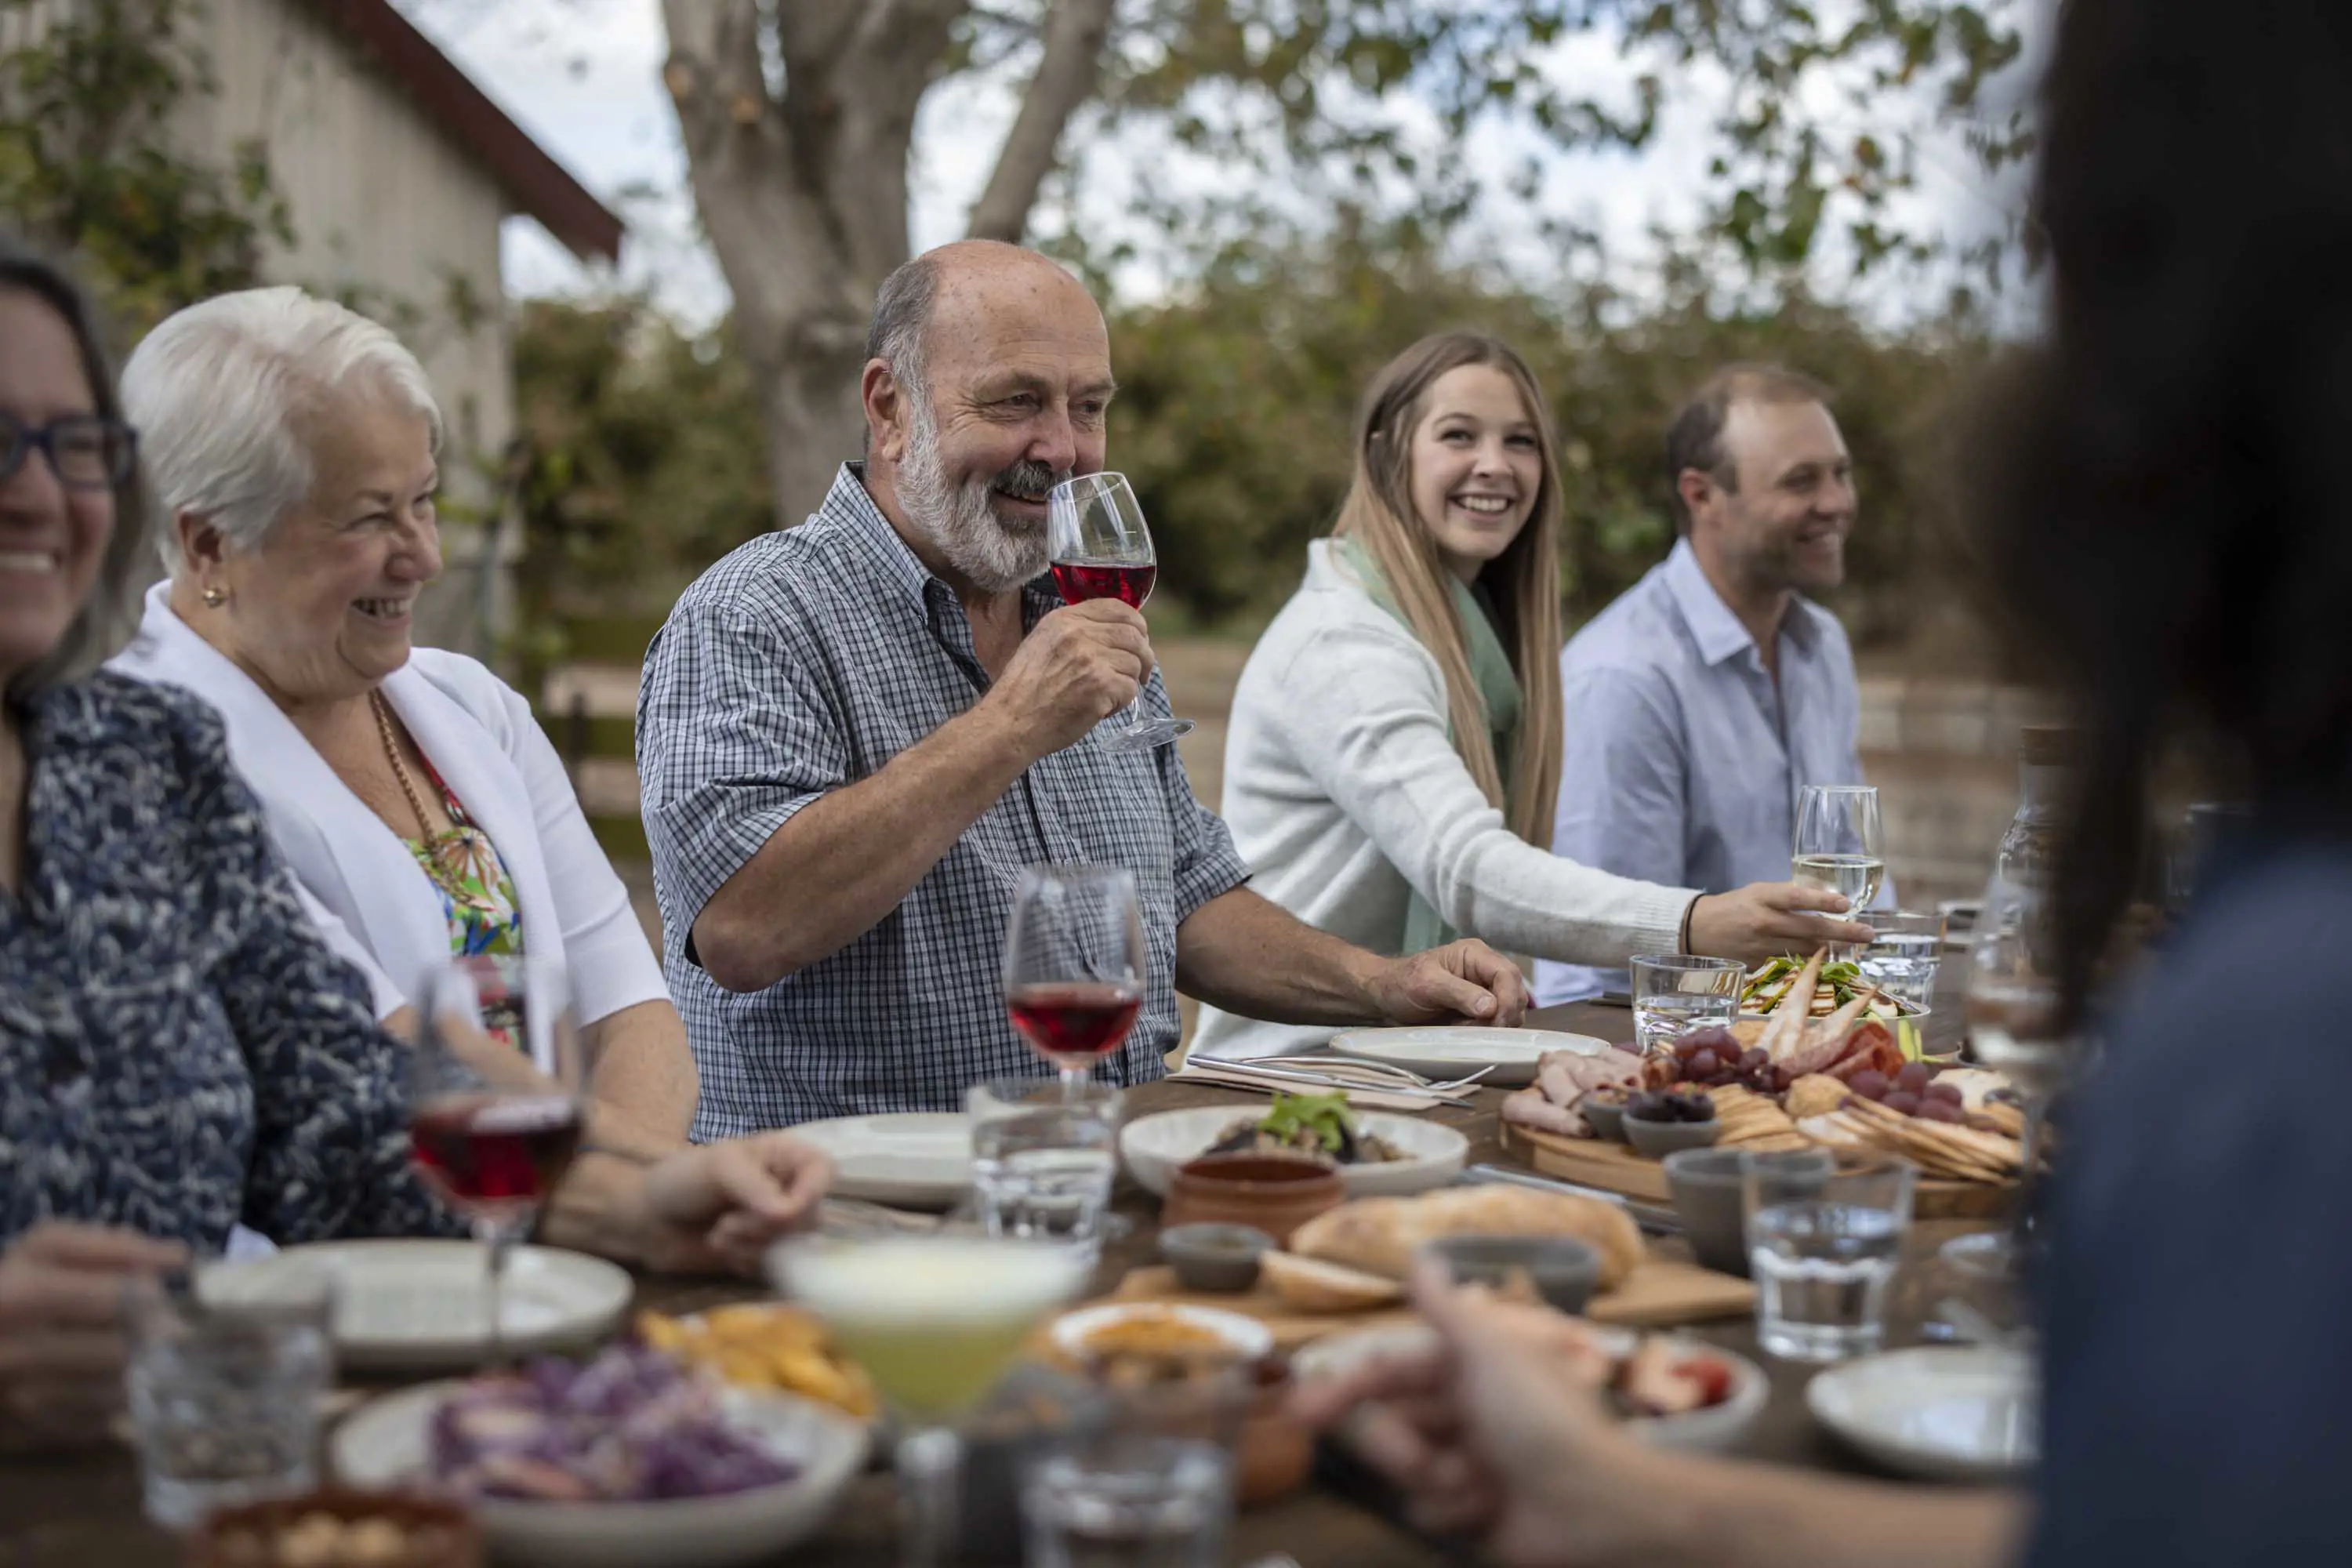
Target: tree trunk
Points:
x,y
804,194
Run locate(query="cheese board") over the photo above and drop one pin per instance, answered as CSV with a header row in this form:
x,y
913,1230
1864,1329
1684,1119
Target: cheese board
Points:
x,y
1611,1166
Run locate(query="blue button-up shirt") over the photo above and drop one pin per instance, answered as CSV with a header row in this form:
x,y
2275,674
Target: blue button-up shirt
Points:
x,y
1681,761
801,663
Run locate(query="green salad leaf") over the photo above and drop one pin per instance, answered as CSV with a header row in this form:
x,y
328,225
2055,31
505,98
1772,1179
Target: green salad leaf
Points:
x,y
1326,1115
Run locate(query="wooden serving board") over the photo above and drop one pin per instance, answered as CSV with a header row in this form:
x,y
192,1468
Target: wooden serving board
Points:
x,y
1607,1164
1661,1293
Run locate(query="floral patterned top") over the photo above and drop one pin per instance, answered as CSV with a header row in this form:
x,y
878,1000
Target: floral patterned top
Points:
x,y
179,1049
477,898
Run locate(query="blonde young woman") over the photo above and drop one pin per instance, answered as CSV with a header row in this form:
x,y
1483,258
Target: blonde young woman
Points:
x,y
1394,755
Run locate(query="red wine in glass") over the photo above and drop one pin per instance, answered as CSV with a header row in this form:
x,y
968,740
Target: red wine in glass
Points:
x,y
1129,581
497,1152
1078,1023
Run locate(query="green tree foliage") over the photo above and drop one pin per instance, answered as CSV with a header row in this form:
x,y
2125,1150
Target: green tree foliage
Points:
x,y
88,93
641,460
1236,405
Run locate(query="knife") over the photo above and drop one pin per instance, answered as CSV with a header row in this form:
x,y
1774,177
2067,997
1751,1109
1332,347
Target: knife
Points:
x,y
1656,1220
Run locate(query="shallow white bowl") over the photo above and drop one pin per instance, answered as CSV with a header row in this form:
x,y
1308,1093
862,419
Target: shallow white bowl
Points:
x,y
1444,1053
410,1306
1153,1146
383,1446
1714,1429
913,1159
1961,1413
1248,1338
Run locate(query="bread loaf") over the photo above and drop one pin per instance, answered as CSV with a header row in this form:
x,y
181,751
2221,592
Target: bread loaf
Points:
x,y
1311,1285
1381,1235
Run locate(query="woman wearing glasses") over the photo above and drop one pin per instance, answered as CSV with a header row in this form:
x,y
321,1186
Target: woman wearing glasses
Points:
x,y
179,1049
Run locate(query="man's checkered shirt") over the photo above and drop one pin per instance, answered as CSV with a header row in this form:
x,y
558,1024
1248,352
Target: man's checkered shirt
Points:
x,y
803,663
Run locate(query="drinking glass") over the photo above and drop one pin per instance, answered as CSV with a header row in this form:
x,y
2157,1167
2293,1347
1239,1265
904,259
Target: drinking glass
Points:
x,y
936,1320
1044,1158
1839,844
1075,961
223,1394
2012,1009
1133,1502
1102,550
1822,1251
1675,991
1901,956
495,1099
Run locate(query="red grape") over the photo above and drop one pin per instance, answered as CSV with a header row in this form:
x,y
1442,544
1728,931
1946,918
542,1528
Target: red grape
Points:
x,y
1754,1058
1701,1064
1937,1108
1914,1076
1869,1083
1949,1092
1903,1100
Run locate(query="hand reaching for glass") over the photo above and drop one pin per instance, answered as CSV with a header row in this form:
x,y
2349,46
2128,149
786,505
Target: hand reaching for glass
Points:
x,y
63,1289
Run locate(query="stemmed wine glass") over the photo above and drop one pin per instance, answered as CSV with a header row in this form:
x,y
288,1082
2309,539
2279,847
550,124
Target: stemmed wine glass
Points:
x,y
1840,845
495,1098
1102,550
1075,961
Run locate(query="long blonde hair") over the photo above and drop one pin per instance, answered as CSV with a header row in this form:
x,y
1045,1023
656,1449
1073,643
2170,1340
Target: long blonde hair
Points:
x,y
1523,582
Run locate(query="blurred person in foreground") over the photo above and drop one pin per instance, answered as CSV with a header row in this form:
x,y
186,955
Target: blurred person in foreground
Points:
x,y
292,451
180,1049
2169,527
1392,758
1696,706
853,734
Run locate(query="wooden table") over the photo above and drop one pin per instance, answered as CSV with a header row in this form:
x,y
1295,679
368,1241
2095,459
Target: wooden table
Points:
x,y
83,1510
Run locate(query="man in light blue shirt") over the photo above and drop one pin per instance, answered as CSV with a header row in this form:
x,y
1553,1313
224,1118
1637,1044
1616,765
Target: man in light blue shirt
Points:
x,y
1697,705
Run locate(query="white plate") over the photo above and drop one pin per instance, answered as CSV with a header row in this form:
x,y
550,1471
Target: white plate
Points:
x,y
1714,1429
405,1306
1249,1338
915,1159
1452,1053
1155,1145
1947,1414
383,1445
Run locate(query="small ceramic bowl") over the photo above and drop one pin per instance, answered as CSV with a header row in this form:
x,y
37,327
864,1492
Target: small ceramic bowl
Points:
x,y
1656,1139
1709,1190
1214,1256
400,1529
1605,1114
1564,1272
1267,1191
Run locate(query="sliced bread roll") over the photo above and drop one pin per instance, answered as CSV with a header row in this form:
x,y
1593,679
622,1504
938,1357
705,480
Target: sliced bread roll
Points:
x,y
1381,1235
1311,1286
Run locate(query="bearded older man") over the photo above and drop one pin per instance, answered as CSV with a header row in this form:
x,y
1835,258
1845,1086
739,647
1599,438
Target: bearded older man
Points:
x,y
853,734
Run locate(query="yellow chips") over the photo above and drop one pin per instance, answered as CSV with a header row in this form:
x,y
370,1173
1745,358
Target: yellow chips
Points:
x,y
765,1346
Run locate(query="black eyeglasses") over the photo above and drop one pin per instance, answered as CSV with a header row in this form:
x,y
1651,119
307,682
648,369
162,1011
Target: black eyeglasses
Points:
x,y
85,452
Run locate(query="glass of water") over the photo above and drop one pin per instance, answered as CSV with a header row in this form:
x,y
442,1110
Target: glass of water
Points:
x,y
1044,1157
1681,990
225,1394
1823,1250
1131,1502
1901,958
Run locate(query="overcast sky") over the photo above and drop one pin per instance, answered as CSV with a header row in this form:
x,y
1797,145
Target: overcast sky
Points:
x,y
584,78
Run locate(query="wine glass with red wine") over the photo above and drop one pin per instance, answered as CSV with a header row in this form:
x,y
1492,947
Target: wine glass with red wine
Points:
x,y
1074,960
495,1098
1103,551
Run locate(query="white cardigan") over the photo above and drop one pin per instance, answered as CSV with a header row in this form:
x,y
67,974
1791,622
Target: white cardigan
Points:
x,y
1341,789
373,902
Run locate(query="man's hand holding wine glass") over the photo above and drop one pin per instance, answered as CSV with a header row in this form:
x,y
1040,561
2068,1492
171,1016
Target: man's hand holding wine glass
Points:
x,y
1077,667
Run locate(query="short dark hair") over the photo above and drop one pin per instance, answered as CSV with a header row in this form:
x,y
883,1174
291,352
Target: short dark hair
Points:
x,y
1695,440
103,623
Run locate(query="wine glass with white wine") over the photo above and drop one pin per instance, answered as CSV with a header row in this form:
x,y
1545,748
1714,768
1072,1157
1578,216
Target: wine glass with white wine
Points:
x,y
1840,845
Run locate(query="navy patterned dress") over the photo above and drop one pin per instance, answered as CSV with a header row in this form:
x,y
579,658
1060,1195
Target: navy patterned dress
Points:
x,y
179,1049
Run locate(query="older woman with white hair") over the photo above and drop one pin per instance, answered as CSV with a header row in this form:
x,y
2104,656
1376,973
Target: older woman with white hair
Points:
x,y
292,452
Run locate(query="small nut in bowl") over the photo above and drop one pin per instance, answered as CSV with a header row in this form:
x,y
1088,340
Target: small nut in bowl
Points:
x,y
1661,1122
1559,1270
339,1528
1215,1258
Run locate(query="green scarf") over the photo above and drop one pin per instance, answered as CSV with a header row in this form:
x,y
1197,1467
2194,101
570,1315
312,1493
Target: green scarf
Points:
x,y
1498,691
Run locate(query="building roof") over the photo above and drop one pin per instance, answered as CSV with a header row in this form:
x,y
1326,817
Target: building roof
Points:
x,y
533,181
